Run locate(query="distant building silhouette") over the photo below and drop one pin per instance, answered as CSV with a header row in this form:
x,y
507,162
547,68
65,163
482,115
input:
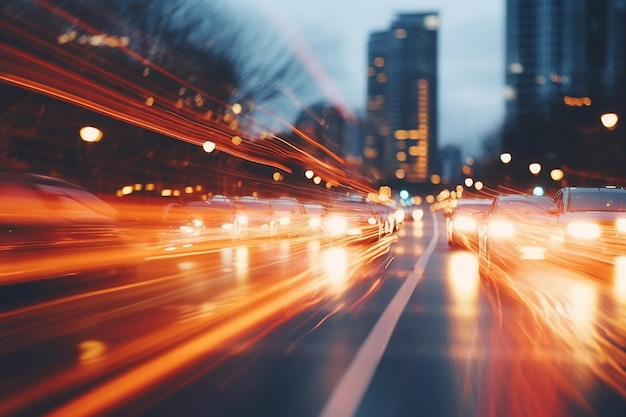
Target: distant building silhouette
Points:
x,y
564,53
451,163
401,121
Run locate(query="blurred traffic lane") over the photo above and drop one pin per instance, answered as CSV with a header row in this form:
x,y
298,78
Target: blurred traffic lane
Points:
x,y
213,296
270,327
462,346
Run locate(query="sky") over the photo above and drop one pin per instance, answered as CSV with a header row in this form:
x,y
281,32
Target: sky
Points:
x,y
471,59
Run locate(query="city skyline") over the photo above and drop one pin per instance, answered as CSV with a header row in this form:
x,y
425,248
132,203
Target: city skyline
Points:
x,y
471,70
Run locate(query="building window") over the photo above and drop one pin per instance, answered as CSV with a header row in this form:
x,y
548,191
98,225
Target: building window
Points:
x,y
400,33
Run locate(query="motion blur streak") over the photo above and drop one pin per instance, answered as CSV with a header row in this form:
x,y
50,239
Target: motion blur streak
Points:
x,y
464,285
294,39
90,81
465,282
148,117
177,349
566,317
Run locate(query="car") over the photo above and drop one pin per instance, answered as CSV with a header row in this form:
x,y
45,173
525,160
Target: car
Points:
x,y
176,228
517,228
388,218
462,221
357,219
51,228
256,217
216,217
591,222
317,215
292,216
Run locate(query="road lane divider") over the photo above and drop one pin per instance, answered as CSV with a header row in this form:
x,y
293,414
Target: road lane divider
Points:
x,y
347,395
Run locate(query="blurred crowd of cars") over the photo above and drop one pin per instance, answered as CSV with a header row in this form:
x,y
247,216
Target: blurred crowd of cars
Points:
x,y
51,227
581,227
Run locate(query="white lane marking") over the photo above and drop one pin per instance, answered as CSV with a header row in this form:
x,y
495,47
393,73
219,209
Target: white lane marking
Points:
x,y
351,388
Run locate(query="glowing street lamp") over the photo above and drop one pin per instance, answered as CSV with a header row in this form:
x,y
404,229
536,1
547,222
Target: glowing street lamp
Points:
x,y
534,168
208,146
90,134
609,120
505,157
557,174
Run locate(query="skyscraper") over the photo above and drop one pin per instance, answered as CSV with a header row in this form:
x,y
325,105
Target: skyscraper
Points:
x,y
564,53
401,141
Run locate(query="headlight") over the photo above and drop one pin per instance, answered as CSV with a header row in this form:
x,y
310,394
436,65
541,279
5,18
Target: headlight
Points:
x,y
241,219
501,229
336,225
465,223
284,220
621,225
315,222
371,220
584,230
399,215
197,222
186,229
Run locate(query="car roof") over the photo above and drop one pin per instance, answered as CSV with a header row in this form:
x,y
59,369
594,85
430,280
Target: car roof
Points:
x,y
473,201
596,190
38,178
523,197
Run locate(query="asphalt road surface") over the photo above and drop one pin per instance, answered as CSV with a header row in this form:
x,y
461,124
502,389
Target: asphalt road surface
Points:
x,y
303,327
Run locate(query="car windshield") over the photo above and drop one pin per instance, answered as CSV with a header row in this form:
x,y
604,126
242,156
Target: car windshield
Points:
x,y
598,201
314,209
257,206
520,208
471,208
281,207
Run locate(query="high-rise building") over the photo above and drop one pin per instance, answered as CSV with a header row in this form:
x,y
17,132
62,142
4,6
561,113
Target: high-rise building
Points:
x,y
401,137
564,53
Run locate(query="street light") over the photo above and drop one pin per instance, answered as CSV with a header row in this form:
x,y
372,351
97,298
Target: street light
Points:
x,y
557,174
609,120
90,134
208,146
534,168
505,157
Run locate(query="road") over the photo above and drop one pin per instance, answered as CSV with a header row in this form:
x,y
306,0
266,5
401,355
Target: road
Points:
x,y
303,327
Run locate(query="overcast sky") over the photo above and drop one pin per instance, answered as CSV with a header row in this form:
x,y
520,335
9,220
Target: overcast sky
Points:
x,y
471,45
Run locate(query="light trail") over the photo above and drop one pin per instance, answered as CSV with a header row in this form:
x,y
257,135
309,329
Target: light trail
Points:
x,y
574,335
82,77
160,350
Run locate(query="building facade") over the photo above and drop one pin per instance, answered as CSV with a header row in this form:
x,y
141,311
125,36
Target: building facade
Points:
x,y
564,53
401,121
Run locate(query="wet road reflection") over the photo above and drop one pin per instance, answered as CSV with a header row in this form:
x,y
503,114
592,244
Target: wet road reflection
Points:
x,y
179,310
542,341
